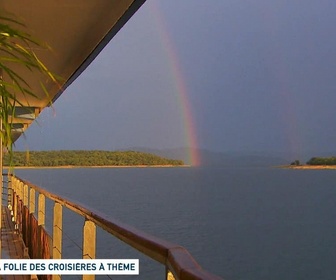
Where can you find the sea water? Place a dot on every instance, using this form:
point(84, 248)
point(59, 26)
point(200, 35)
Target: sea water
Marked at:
point(248, 223)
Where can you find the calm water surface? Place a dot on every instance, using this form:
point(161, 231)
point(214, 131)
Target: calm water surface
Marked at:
point(237, 223)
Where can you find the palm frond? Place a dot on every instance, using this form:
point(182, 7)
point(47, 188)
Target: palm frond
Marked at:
point(16, 48)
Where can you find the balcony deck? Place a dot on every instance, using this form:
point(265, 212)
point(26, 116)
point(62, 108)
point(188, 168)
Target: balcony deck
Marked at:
point(12, 246)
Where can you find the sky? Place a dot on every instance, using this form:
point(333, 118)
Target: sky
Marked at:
point(222, 75)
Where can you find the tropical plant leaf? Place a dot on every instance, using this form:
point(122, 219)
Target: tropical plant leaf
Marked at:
point(16, 48)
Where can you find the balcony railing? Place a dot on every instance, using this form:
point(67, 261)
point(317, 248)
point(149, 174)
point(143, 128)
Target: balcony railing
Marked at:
point(29, 217)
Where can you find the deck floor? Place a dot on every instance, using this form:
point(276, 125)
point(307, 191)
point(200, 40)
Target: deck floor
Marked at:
point(12, 246)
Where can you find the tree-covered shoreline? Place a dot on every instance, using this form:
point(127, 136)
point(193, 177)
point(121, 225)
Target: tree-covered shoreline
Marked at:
point(322, 161)
point(87, 158)
point(315, 163)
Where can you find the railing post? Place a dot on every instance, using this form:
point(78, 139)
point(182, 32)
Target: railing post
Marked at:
point(15, 198)
point(21, 191)
point(25, 195)
point(9, 192)
point(57, 231)
point(41, 210)
point(89, 244)
point(169, 275)
point(57, 235)
point(12, 182)
point(31, 201)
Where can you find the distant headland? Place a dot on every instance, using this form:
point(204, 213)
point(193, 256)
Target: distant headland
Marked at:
point(83, 158)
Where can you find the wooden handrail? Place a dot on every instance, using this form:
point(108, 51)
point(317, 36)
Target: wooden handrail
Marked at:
point(176, 258)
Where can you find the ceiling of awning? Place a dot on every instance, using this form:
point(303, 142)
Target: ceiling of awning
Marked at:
point(75, 30)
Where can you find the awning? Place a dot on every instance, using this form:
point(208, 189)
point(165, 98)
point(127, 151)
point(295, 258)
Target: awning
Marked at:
point(75, 30)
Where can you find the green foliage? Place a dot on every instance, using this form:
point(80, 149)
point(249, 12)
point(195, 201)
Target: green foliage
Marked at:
point(87, 158)
point(295, 162)
point(322, 161)
point(16, 49)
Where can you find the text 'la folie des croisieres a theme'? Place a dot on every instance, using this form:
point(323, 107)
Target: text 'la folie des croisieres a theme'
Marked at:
point(69, 267)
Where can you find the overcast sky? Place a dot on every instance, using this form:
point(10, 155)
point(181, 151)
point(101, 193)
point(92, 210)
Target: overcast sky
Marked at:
point(259, 76)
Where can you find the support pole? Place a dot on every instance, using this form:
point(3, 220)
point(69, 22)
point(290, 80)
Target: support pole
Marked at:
point(1, 167)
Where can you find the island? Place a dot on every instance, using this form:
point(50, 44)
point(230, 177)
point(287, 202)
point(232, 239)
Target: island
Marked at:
point(84, 158)
point(315, 163)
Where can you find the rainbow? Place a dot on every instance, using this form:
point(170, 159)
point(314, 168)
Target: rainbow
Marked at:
point(181, 90)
